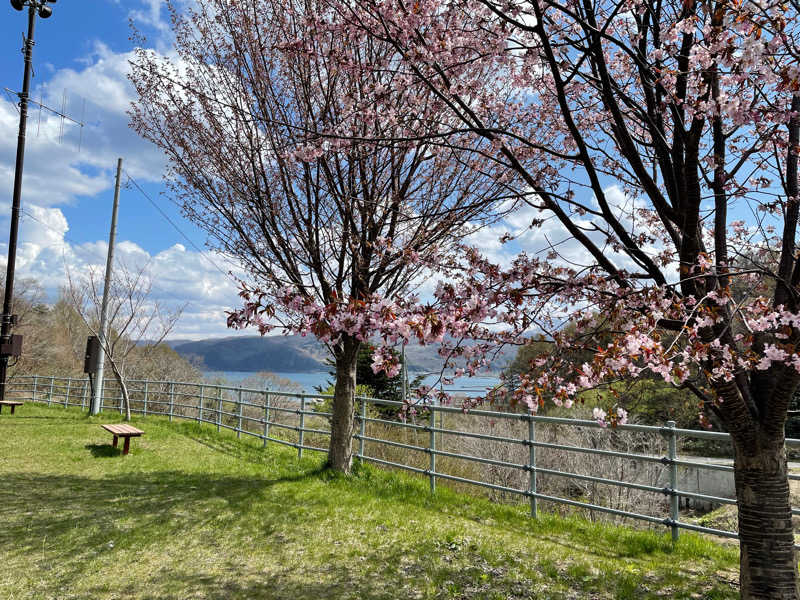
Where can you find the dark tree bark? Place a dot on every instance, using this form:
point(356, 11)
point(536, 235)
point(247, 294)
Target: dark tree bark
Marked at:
point(766, 537)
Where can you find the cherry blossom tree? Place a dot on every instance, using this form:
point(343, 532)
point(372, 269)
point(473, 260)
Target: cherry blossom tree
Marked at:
point(660, 139)
point(327, 208)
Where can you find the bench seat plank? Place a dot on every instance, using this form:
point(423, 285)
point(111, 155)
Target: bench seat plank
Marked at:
point(123, 430)
point(12, 403)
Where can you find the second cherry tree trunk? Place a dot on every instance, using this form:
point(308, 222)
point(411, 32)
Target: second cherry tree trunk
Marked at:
point(768, 569)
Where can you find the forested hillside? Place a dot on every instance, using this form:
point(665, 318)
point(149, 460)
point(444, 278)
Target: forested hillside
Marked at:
point(288, 353)
point(54, 342)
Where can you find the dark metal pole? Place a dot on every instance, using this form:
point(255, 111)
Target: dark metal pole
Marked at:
point(6, 317)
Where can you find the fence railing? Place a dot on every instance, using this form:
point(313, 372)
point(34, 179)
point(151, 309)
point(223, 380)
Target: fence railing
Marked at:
point(630, 471)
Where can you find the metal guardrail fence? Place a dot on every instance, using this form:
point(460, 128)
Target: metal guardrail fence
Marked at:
point(295, 419)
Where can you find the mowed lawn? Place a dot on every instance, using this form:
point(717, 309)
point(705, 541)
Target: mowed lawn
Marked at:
point(192, 513)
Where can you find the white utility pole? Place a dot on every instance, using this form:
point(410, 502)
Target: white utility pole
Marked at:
point(98, 386)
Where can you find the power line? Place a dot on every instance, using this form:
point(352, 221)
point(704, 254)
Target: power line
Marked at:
point(73, 242)
point(76, 244)
point(50, 227)
point(178, 229)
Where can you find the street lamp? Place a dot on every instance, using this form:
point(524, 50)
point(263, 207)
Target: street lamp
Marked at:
point(40, 6)
point(11, 345)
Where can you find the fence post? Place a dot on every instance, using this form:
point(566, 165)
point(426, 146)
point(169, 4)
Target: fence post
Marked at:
point(35, 381)
point(301, 437)
point(532, 465)
point(362, 429)
point(432, 448)
point(239, 402)
point(200, 411)
point(145, 399)
point(219, 408)
point(171, 399)
point(50, 395)
point(672, 449)
point(69, 387)
point(85, 389)
point(266, 418)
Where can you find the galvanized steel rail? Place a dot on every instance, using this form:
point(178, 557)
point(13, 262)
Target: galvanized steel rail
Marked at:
point(226, 407)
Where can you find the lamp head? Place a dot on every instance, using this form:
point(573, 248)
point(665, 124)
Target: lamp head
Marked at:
point(17, 4)
point(45, 11)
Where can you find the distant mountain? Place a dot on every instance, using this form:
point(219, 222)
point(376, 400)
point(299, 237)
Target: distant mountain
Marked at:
point(286, 353)
point(294, 353)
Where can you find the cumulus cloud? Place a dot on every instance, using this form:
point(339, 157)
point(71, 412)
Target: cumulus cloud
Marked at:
point(151, 14)
point(551, 236)
point(194, 280)
point(66, 166)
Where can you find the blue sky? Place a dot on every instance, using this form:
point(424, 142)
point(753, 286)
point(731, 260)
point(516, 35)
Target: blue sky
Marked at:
point(68, 45)
point(81, 55)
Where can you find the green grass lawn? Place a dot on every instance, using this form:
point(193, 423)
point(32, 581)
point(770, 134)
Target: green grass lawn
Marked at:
point(192, 513)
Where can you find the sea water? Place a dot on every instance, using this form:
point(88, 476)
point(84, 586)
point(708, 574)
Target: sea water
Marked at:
point(308, 382)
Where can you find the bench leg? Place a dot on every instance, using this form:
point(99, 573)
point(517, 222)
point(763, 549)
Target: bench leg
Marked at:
point(1, 408)
point(12, 409)
point(115, 442)
point(127, 446)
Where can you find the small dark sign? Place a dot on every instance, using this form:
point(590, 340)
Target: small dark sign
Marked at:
point(92, 354)
point(13, 347)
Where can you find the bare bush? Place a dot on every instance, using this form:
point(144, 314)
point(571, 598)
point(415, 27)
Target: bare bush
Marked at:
point(511, 450)
point(616, 468)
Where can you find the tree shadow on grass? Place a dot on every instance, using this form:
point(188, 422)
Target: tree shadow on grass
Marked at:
point(78, 516)
point(253, 452)
point(579, 534)
point(278, 551)
point(23, 417)
point(103, 450)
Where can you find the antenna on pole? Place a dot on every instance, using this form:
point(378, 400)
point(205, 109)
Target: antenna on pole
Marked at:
point(63, 110)
point(83, 114)
point(11, 345)
point(59, 113)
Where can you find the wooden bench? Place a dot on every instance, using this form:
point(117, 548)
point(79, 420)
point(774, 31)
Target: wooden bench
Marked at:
point(123, 431)
point(12, 403)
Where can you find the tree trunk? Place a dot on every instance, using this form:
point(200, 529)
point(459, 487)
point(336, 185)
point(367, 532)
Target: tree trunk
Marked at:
point(123, 388)
point(768, 569)
point(340, 451)
point(125, 399)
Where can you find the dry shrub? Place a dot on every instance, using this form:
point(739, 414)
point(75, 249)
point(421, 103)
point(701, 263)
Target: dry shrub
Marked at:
point(630, 470)
point(517, 477)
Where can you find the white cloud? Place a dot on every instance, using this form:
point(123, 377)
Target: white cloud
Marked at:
point(179, 277)
point(64, 162)
point(552, 235)
point(65, 166)
point(151, 15)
